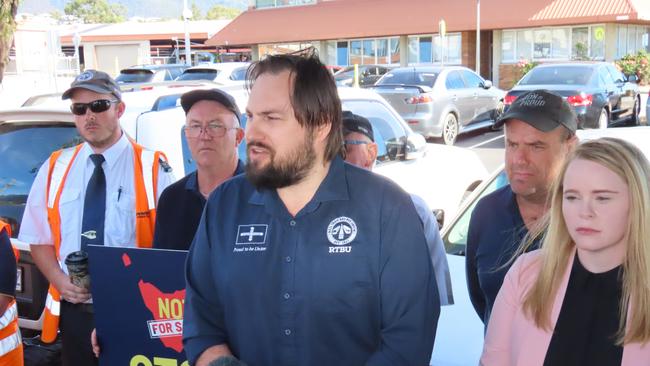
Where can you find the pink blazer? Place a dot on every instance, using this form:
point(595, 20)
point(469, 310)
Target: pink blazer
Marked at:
point(514, 340)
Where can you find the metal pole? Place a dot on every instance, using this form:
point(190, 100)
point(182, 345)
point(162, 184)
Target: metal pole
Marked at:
point(478, 37)
point(186, 15)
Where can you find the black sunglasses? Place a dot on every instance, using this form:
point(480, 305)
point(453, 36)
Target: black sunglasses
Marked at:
point(96, 106)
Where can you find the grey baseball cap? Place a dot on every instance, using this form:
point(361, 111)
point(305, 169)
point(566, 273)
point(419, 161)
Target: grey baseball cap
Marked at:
point(190, 98)
point(541, 109)
point(96, 81)
point(356, 123)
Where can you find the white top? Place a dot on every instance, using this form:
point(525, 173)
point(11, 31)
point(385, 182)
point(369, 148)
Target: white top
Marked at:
point(119, 224)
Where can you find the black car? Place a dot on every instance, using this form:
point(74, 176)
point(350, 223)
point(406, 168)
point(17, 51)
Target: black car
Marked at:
point(150, 73)
point(368, 75)
point(601, 95)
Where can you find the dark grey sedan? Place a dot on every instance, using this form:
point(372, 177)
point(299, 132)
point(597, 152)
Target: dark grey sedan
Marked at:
point(441, 102)
point(599, 93)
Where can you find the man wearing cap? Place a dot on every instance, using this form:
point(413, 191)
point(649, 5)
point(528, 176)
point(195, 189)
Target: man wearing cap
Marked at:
point(101, 192)
point(213, 132)
point(361, 150)
point(539, 132)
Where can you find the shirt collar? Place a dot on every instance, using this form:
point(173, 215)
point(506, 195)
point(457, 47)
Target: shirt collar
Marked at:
point(192, 183)
point(333, 188)
point(112, 154)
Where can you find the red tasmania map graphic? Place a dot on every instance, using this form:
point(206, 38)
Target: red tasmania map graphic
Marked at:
point(167, 314)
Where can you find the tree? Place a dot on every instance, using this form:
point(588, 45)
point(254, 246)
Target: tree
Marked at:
point(222, 12)
point(8, 9)
point(196, 11)
point(96, 11)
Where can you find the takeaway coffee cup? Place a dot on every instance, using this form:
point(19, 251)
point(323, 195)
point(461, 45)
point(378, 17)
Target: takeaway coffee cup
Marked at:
point(77, 263)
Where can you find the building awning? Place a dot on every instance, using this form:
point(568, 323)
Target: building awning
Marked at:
point(345, 19)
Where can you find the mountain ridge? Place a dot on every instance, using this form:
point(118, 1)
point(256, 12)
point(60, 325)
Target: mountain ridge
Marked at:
point(135, 8)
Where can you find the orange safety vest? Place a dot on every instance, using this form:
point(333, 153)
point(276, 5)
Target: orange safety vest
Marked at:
point(11, 345)
point(146, 167)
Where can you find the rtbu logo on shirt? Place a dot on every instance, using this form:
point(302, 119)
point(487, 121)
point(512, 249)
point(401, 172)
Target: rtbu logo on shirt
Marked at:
point(340, 232)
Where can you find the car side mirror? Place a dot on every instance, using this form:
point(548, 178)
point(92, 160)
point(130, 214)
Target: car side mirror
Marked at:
point(439, 214)
point(632, 78)
point(414, 146)
point(487, 84)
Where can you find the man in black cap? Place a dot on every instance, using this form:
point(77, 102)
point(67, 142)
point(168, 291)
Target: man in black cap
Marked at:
point(361, 150)
point(99, 192)
point(539, 132)
point(213, 132)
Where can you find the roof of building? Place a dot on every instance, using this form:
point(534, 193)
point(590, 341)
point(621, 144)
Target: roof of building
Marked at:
point(145, 30)
point(344, 19)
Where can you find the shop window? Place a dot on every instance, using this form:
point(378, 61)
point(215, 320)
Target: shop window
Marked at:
point(413, 50)
point(542, 45)
point(508, 43)
point(369, 52)
point(524, 45)
point(394, 51)
point(355, 52)
point(580, 43)
point(597, 46)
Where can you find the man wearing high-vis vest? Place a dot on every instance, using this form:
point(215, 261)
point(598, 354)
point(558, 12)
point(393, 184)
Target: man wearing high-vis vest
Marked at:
point(101, 192)
point(11, 346)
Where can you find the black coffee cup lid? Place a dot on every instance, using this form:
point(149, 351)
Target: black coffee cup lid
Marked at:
point(76, 257)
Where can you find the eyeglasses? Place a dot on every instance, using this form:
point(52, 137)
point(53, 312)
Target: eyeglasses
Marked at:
point(96, 106)
point(212, 129)
point(355, 142)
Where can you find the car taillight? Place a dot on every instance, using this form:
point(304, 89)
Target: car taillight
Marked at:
point(147, 88)
point(509, 99)
point(419, 99)
point(581, 99)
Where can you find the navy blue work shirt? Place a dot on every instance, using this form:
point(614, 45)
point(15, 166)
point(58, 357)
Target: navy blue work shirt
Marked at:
point(7, 266)
point(347, 281)
point(179, 212)
point(496, 229)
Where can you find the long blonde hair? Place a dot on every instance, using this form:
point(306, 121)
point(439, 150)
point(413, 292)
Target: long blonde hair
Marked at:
point(629, 163)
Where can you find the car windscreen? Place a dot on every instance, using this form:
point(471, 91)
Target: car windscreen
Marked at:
point(23, 149)
point(409, 77)
point(134, 76)
point(199, 74)
point(558, 75)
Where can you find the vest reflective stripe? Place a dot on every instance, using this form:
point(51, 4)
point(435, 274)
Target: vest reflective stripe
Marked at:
point(9, 333)
point(52, 305)
point(59, 171)
point(9, 316)
point(145, 215)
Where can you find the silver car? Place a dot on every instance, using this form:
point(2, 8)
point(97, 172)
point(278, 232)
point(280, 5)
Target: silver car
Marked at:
point(441, 101)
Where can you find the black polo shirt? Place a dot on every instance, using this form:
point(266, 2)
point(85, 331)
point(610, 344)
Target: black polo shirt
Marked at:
point(496, 229)
point(179, 211)
point(7, 266)
point(347, 281)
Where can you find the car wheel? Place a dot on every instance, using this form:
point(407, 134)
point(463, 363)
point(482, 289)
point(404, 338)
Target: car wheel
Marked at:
point(496, 114)
point(450, 129)
point(603, 119)
point(634, 119)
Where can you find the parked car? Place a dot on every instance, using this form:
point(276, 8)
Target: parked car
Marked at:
point(27, 137)
point(468, 340)
point(404, 156)
point(150, 73)
point(368, 75)
point(226, 73)
point(441, 102)
point(600, 94)
point(647, 111)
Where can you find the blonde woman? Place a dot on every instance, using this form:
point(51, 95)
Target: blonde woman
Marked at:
point(584, 298)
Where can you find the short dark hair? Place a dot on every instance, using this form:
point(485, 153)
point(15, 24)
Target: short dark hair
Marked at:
point(314, 96)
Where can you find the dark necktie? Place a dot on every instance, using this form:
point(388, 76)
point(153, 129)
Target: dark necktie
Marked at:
point(92, 228)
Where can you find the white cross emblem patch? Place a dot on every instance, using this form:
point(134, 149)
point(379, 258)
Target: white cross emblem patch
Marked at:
point(254, 234)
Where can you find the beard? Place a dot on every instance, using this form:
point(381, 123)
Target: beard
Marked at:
point(280, 173)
